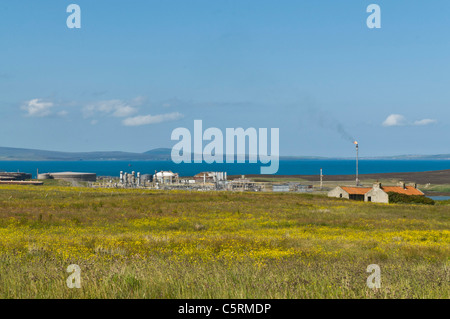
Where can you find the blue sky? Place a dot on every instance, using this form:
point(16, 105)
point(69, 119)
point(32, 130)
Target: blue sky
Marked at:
point(136, 70)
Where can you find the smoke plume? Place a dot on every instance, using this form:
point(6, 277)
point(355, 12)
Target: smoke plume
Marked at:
point(327, 121)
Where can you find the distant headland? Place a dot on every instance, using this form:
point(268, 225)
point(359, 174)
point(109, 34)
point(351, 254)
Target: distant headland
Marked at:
point(158, 154)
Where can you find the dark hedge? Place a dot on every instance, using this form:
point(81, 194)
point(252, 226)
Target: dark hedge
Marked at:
point(415, 199)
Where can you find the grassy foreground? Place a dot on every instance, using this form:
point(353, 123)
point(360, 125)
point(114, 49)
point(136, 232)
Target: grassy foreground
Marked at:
point(157, 244)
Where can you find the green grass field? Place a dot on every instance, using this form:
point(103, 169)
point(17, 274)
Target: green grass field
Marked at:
point(438, 188)
point(161, 244)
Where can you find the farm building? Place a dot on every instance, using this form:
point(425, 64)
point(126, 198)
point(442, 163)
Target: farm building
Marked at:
point(376, 194)
point(355, 193)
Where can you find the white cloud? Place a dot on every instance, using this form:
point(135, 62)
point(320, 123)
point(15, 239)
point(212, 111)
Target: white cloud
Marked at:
point(139, 100)
point(151, 119)
point(124, 111)
point(37, 108)
point(116, 108)
point(425, 122)
point(395, 120)
point(400, 120)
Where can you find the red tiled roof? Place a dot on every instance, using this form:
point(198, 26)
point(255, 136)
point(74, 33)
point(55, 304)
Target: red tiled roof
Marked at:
point(400, 190)
point(356, 190)
point(409, 190)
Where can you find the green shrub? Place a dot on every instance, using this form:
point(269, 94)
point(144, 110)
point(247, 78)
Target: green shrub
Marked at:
point(413, 199)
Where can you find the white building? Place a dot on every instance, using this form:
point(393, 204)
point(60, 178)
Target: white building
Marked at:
point(376, 194)
point(165, 177)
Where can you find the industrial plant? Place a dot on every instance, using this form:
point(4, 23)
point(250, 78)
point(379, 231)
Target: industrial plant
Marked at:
point(168, 180)
point(210, 180)
point(8, 176)
point(69, 176)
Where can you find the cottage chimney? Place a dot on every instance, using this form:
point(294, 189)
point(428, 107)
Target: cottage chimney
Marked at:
point(377, 185)
point(402, 185)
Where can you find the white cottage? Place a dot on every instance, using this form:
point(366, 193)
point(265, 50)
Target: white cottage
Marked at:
point(376, 194)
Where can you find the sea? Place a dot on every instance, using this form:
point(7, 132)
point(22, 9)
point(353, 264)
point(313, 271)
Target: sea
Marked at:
point(439, 197)
point(286, 167)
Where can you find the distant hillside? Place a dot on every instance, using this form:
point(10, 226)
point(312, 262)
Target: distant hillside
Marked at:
point(414, 157)
point(158, 154)
point(440, 156)
point(21, 154)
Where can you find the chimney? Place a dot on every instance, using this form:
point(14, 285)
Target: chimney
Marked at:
point(402, 185)
point(377, 185)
